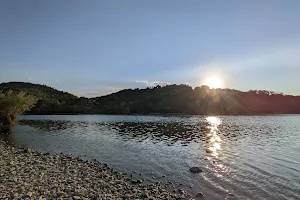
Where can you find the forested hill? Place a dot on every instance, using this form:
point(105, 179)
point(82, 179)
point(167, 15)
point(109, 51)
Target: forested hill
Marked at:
point(171, 99)
point(50, 99)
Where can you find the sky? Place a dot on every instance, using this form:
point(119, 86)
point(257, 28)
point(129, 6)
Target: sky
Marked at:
point(92, 48)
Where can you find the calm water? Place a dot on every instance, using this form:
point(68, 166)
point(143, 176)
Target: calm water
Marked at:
point(242, 157)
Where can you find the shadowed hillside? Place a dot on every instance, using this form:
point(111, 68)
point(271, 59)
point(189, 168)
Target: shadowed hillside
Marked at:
point(171, 99)
point(49, 99)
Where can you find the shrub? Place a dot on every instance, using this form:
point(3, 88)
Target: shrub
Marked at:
point(13, 104)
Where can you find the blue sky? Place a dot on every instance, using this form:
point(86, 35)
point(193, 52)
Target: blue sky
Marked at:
point(92, 48)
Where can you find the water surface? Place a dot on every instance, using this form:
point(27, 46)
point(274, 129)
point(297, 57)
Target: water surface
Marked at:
point(242, 157)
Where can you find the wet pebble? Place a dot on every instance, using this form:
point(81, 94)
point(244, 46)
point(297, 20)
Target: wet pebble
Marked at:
point(195, 170)
point(199, 194)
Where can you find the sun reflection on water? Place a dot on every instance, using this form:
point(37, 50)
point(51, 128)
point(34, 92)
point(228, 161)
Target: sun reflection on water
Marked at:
point(214, 141)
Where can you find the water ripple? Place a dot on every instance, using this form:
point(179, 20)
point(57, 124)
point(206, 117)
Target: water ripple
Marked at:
point(242, 157)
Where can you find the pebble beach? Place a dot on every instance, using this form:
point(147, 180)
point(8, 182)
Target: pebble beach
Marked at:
point(28, 174)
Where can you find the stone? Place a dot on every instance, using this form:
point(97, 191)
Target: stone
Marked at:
point(134, 190)
point(29, 194)
point(209, 151)
point(76, 197)
point(230, 194)
point(16, 195)
point(60, 193)
point(144, 195)
point(199, 194)
point(181, 191)
point(134, 181)
point(139, 181)
point(195, 170)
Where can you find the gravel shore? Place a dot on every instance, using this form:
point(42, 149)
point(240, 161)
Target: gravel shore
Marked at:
point(27, 174)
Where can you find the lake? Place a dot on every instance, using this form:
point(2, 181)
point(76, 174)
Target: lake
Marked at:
point(242, 157)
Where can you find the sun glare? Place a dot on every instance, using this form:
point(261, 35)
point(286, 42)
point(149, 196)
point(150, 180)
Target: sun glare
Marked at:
point(213, 82)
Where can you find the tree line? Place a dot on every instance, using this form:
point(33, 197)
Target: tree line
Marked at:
point(170, 99)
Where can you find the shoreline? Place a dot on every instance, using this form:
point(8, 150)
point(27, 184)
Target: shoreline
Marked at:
point(165, 114)
point(28, 174)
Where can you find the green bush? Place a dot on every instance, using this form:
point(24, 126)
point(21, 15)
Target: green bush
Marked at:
point(13, 104)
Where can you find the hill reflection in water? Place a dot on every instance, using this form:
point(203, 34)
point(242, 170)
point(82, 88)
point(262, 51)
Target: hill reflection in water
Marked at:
point(168, 132)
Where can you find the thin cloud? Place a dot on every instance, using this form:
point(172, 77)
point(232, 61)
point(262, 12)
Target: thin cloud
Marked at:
point(90, 94)
point(114, 90)
point(154, 83)
point(188, 84)
point(98, 93)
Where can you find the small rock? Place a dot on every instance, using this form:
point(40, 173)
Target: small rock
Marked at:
point(134, 190)
point(16, 195)
point(60, 193)
point(230, 194)
point(136, 181)
point(76, 197)
point(209, 151)
point(199, 194)
point(144, 195)
point(139, 181)
point(195, 170)
point(29, 194)
point(181, 191)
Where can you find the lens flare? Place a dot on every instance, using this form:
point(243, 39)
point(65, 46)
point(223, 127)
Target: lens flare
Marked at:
point(213, 82)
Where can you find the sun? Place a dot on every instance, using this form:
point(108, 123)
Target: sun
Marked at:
point(213, 82)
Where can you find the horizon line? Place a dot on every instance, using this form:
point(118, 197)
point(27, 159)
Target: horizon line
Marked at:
point(153, 87)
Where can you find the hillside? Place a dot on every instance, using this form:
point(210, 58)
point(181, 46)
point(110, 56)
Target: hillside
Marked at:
point(50, 99)
point(201, 100)
point(171, 99)
point(40, 91)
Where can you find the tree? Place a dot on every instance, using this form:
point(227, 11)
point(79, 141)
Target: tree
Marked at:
point(13, 104)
